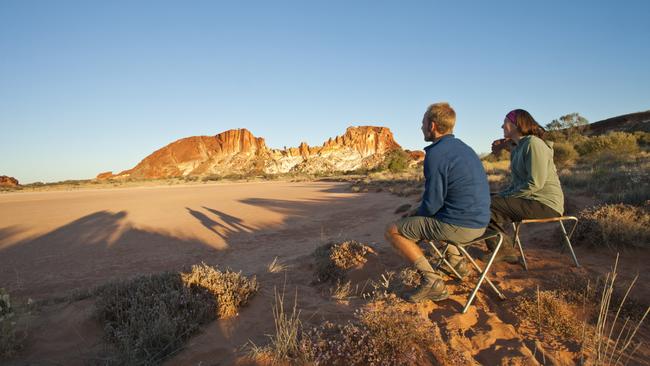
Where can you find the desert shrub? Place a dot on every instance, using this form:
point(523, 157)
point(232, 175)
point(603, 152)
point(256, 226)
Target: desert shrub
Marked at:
point(382, 335)
point(613, 143)
point(10, 342)
point(150, 317)
point(614, 226)
point(612, 181)
point(642, 138)
point(231, 289)
point(397, 161)
point(333, 259)
point(550, 313)
point(564, 154)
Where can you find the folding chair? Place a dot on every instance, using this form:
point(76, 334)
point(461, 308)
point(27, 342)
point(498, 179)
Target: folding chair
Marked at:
point(482, 272)
point(517, 228)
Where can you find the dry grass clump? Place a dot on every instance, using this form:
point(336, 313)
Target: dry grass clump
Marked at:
point(380, 335)
point(614, 226)
point(277, 266)
point(10, 341)
point(550, 313)
point(284, 346)
point(333, 259)
point(150, 317)
point(409, 277)
point(231, 289)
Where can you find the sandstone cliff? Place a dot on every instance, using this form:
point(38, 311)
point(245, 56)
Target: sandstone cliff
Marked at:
point(6, 181)
point(239, 152)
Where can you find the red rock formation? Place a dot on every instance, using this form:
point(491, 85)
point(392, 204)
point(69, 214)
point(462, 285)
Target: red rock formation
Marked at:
point(6, 181)
point(193, 155)
point(104, 176)
point(367, 140)
point(416, 155)
point(238, 151)
point(499, 145)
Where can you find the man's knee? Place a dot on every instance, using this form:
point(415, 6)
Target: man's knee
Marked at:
point(391, 231)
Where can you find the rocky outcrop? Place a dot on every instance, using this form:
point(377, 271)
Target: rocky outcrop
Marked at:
point(8, 182)
point(104, 175)
point(498, 146)
point(239, 152)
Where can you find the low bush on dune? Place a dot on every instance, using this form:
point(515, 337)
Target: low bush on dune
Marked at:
point(613, 143)
point(230, 289)
point(614, 226)
point(376, 336)
point(612, 181)
point(10, 341)
point(550, 313)
point(333, 259)
point(149, 318)
point(564, 154)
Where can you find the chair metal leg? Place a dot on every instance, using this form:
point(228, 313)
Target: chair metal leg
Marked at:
point(444, 260)
point(568, 242)
point(483, 273)
point(516, 228)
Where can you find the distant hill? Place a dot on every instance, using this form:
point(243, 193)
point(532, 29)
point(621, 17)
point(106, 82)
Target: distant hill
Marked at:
point(237, 151)
point(632, 122)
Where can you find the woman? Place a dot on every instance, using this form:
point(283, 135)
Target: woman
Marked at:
point(534, 191)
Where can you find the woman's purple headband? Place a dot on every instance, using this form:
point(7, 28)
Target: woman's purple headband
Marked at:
point(512, 116)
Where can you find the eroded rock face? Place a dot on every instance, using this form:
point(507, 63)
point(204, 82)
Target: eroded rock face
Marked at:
point(7, 181)
point(239, 152)
point(104, 176)
point(500, 145)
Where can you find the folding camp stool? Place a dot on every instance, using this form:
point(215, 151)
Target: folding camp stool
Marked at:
point(482, 272)
point(517, 227)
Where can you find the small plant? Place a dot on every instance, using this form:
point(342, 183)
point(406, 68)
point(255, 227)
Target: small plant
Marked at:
point(550, 314)
point(333, 259)
point(378, 335)
point(341, 291)
point(614, 226)
point(231, 289)
point(284, 346)
point(277, 266)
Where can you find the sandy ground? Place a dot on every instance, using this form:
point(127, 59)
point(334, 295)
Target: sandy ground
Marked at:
point(54, 242)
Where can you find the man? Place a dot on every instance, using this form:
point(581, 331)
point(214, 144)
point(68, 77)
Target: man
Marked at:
point(455, 204)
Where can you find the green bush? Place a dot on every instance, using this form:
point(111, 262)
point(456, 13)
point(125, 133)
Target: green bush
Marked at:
point(397, 161)
point(564, 154)
point(613, 143)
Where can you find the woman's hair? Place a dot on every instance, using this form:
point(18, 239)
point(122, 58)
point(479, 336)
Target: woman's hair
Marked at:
point(525, 123)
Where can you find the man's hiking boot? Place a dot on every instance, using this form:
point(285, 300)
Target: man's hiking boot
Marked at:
point(461, 268)
point(506, 254)
point(434, 291)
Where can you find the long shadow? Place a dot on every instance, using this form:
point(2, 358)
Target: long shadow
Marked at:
point(90, 251)
point(235, 222)
point(207, 222)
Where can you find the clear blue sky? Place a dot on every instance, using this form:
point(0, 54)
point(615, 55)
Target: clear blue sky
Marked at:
point(90, 86)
